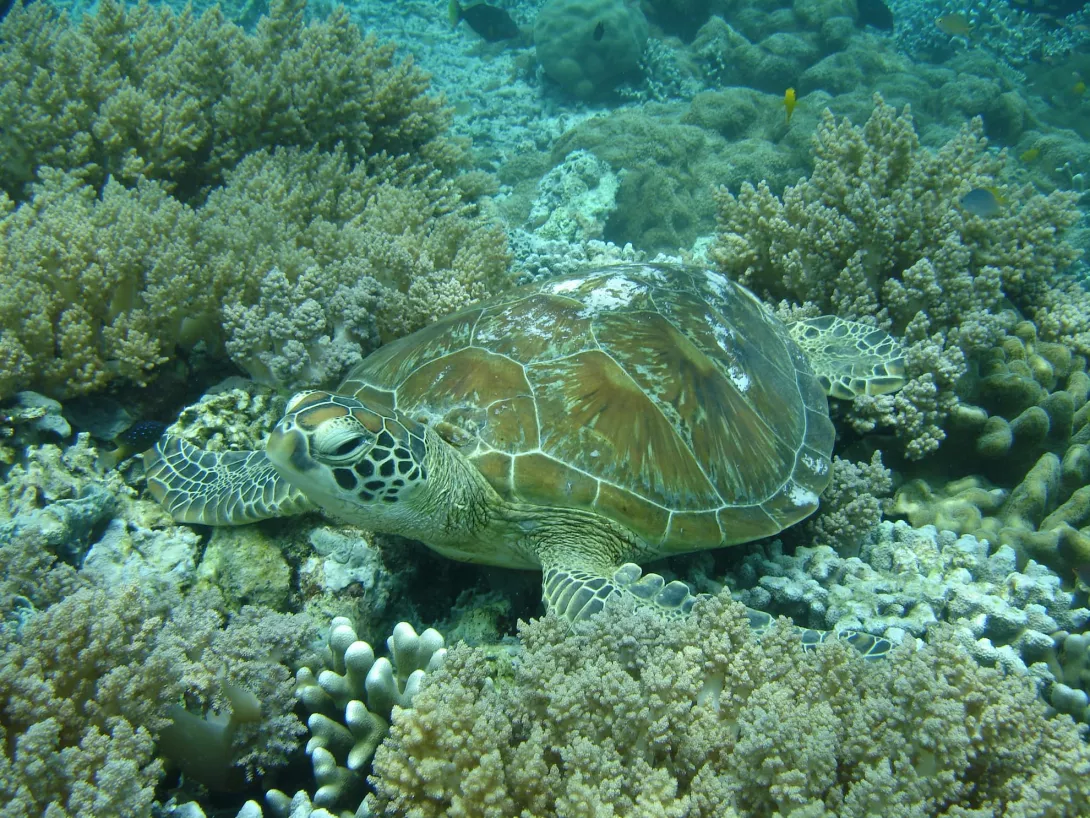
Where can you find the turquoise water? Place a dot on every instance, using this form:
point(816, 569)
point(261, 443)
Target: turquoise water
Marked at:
point(335, 333)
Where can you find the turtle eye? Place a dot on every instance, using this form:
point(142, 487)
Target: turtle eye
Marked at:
point(346, 448)
point(341, 447)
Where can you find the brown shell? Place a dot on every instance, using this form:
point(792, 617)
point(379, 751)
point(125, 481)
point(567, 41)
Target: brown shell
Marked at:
point(667, 398)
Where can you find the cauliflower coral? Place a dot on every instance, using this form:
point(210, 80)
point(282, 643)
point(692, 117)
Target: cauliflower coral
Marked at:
point(167, 179)
point(630, 714)
point(878, 234)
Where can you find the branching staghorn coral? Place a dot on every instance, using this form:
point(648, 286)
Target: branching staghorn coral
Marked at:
point(877, 233)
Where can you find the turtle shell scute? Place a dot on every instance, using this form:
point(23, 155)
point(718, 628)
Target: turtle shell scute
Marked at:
point(666, 398)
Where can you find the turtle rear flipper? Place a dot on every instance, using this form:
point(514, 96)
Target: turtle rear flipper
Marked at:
point(872, 647)
point(851, 359)
point(576, 594)
point(218, 488)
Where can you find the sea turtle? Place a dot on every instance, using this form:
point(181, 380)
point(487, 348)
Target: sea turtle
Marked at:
point(576, 425)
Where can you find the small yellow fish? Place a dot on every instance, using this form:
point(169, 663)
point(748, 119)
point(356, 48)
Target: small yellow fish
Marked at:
point(1030, 154)
point(954, 25)
point(789, 103)
point(1079, 88)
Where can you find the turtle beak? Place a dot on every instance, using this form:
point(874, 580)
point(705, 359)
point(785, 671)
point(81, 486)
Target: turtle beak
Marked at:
point(288, 451)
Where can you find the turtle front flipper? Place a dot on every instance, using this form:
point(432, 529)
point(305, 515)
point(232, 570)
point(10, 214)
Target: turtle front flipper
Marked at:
point(218, 488)
point(576, 593)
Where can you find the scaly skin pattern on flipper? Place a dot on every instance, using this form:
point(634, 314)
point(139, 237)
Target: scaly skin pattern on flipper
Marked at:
point(578, 425)
point(218, 488)
point(850, 359)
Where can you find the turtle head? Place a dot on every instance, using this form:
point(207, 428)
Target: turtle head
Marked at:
point(358, 462)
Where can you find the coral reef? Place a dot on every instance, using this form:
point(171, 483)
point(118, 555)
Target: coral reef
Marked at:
point(588, 46)
point(23, 419)
point(57, 512)
point(33, 578)
point(305, 332)
point(92, 689)
point(574, 199)
point(877, 233)
point(361, 249)
point(122, 247)
point(665, 157)
point(146, 93)
point(1018, 36)
point(281, 806)
point(233, 415)
point(247, 565)
point(906, 579)
point(47, 474)
point(541, 258)
point(94, 289)
point(175, 189)
point(352, 704)
point(768, 48)
point(1029, 420)
point(1068, 667)
point(1006, 612)
point(71, 706)
point(629, 714)
point(120, 671)
point(852, 503)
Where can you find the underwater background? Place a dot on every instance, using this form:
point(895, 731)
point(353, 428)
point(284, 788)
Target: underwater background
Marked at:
point(205, 209)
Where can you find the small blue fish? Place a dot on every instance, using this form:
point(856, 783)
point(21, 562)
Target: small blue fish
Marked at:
point(984, 202)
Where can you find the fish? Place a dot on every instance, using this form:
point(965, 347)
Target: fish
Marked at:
point(599, 31)
point(954, 25)
point(491, 22)
point(1079, 88)
point(984, 202)
point(1030, 154)
point(874, 13)
point(789, 103)
point(138, 438)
